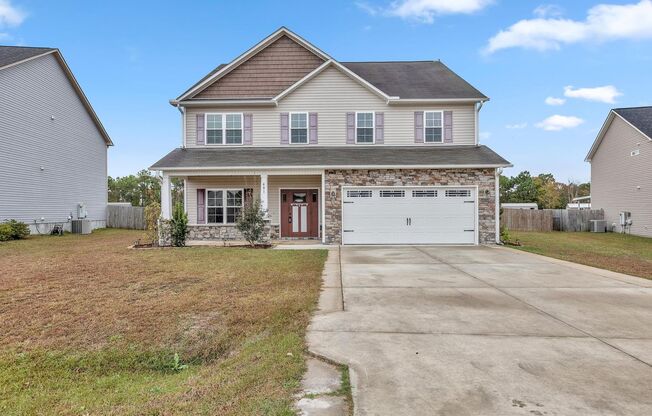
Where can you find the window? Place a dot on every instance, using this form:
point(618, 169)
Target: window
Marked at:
point(223, 128)
point(425, 193)
point(364, 127)
point(433, 127)
point(358, 194)
point(392, 194)
point(214, 133)
point(220, 200)
point(215, 206)
point(458, 193)
point(298, 128)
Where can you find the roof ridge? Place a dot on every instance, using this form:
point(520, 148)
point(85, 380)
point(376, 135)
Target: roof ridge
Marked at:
point(27, 47)
point(632, 108)
point(388, 62)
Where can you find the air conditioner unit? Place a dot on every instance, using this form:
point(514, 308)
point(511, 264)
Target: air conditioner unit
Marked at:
point(81, 227)
point(598, 226)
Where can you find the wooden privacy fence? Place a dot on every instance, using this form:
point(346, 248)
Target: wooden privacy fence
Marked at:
point(526, 220)
point(119, 215)
point(550, 219)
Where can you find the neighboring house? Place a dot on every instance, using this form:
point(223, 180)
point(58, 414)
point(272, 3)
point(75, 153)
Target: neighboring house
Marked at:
point(621, 168)
point(53, 148)
point(347, 152)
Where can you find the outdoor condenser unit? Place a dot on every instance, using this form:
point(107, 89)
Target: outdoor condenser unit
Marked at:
point(598, 226)
point(81, 226)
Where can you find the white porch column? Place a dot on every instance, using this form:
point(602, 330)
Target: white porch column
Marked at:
point(165, 197)
point(264, 205)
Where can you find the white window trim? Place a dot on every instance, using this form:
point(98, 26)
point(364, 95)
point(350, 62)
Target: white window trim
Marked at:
point(307, 128)
point(224, 143)
point(441, 112)
point(224, 206)
point(373, 127)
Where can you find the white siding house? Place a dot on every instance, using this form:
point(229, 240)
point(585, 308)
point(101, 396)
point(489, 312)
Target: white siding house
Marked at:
point(53, 148)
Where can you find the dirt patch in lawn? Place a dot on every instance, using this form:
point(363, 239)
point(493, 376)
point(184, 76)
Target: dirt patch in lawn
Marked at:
point(621, 253)
point(90, 326)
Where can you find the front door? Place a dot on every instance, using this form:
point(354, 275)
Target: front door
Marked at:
point(299, 213)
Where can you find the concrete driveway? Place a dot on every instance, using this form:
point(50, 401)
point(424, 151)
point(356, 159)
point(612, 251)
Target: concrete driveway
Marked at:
point(485, 331)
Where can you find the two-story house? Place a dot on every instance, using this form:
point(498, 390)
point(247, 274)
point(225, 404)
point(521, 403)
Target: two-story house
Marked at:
point(347, 152)
point(621, 169)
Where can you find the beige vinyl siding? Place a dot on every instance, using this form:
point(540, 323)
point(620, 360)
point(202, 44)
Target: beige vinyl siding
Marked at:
point(275, 184)
point(615, 176)
point(332, 94)
point(216, 182)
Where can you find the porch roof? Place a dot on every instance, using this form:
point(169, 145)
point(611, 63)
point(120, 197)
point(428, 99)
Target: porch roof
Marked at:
point(331, 157)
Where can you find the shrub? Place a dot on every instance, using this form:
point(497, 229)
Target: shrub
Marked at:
point(19, 230)
point(5, 231)
point(251, 223)
point(504, 234)
point(179, 226)
point(152, 214)
point(13, 230)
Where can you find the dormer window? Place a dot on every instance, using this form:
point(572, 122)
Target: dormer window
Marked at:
point(224, 128)
point(364, 127)
point(298, 128)
point(434, 126)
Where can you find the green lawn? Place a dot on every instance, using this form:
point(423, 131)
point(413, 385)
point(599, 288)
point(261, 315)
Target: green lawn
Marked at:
point(91, 327)
point(622, 253)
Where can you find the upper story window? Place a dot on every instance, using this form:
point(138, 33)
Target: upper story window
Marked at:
point(434, 126)
point(298, 128)
point(224, 128)
point(364, 127)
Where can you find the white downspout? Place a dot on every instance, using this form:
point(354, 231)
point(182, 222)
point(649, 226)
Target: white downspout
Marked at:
point(497, 191)
point(478, 107)
point(182, 110)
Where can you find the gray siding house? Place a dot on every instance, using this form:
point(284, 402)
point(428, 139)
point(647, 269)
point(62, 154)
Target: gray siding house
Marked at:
point(621, 168)
point(53, 147)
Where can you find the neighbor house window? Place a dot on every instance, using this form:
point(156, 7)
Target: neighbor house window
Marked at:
point(223, 206)
point(298, 128)
point(364, 127)
point(223, 128)
point(434, 126)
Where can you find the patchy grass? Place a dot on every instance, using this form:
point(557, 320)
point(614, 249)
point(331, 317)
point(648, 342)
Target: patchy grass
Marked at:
point(91, 327)
point(621, 253)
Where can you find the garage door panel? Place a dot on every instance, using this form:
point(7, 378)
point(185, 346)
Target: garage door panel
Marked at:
point(432, 215)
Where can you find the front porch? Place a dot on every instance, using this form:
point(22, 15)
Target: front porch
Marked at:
point(292, 200)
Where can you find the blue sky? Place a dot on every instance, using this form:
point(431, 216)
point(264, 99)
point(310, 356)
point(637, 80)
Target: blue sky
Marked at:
point(588, 56)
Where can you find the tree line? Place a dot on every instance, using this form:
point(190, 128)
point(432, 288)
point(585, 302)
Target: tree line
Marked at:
point(543, 189)
point(142, 188)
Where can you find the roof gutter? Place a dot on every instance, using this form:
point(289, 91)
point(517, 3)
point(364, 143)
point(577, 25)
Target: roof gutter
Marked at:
point(407, 101)
point(224, 103)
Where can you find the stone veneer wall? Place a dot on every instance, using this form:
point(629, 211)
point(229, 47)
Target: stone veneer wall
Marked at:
point(484, 178)
point(224, 232)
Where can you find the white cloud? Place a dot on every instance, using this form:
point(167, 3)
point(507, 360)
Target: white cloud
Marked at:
point(606, 94)
point(555, 101)
point(425, 10)
point(516, 126)
point(548, 10)
point(557, 122)
point(10, 16)
point(603, 22)
point(484, 135)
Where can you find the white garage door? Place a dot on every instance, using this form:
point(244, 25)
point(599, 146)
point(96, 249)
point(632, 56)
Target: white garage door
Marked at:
point(437, 215)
